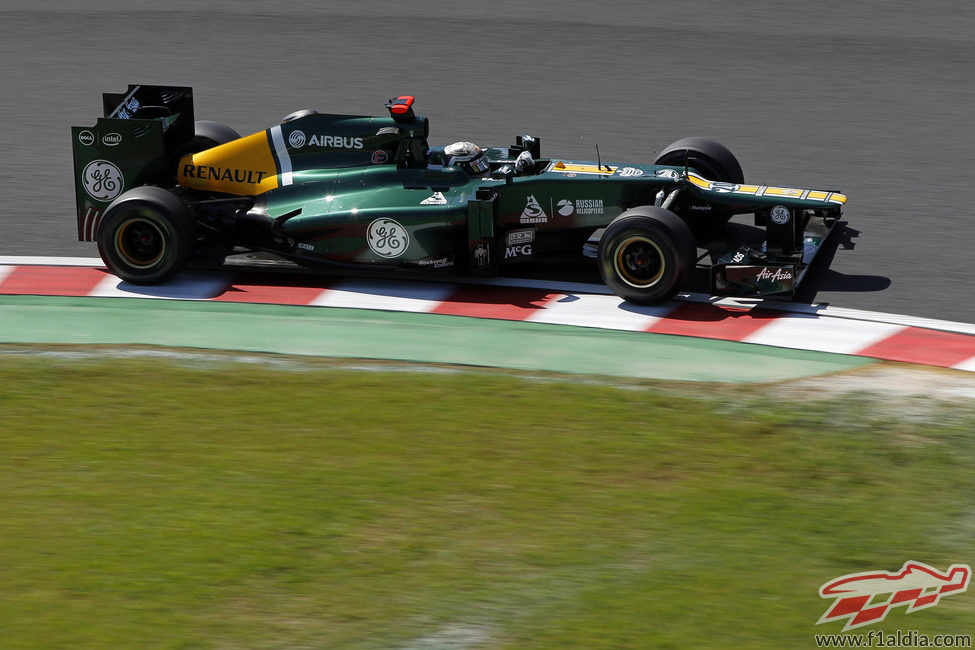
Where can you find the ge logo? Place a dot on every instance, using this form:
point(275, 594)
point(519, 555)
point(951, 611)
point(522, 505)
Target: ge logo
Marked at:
point(103, 180)
point(296, 139)
point(780, 215)
point(387, 238)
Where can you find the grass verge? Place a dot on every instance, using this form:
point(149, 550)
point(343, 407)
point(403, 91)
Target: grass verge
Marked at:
point(155, 504)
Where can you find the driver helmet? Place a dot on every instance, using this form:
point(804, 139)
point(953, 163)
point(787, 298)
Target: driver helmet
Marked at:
point(467, 155)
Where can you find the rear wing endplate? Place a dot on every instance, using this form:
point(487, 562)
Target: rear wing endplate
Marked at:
point(131, 145)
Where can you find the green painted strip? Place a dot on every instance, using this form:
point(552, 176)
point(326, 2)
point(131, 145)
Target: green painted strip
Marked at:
point(370, 334)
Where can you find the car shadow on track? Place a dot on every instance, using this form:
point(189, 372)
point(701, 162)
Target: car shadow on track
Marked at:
point(263, 269)
point(821, 277)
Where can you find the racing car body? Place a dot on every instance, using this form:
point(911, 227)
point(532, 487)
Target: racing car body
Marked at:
point(156, 189)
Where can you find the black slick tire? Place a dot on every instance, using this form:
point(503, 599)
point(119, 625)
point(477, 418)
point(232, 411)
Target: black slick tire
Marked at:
point(146, 235)
point(210, 134)
point(711, 159)
point(646, 254)
point(207, 135)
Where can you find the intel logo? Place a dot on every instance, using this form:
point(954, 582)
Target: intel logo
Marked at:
point(111, 139)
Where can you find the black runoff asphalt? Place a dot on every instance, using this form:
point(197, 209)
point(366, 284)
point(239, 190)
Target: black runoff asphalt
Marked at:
point(870, 99)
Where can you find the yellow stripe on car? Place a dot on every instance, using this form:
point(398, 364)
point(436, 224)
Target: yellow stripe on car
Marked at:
point(578, 168)
point(244, 167)
point(762, 190)
point(791, 192)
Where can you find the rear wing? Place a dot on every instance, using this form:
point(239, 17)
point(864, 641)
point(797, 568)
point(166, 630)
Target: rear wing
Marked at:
point(131, 145)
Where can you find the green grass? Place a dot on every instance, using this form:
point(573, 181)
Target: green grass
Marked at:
point(148, 504)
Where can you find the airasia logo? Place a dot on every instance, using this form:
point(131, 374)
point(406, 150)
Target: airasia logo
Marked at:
point(780, 274)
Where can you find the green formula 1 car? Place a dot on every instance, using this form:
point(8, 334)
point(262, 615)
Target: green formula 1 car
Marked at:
point(155, 190)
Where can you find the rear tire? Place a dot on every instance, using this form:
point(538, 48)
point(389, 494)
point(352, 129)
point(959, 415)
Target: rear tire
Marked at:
point(209, 134)
point(146, 235)
point(646, 254)
point(206, 136)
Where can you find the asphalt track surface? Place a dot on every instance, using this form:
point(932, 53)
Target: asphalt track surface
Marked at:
point(870, 98)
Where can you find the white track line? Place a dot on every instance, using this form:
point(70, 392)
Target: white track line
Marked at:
point(15, 260)
point(389, 296)
point(607, 312)
point(808, 332)
point(968, 364)
point(602, 290)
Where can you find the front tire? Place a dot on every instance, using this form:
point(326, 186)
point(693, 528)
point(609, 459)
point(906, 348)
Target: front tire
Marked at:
point(646, 254)
point(146, 235)
point(711, 159)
